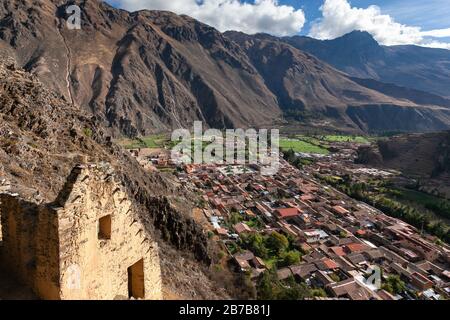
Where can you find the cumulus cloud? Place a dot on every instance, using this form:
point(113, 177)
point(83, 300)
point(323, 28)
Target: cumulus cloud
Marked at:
point(260, 16)
point(339, 18)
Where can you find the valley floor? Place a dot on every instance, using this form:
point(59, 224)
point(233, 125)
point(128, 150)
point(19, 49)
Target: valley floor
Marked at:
point(294, 236)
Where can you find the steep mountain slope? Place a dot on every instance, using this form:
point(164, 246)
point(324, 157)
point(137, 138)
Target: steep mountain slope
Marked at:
point(42, 137)
point(304, 84)
point(423, 155)
point(138, 71)
point(151, 71)
point(359, 55)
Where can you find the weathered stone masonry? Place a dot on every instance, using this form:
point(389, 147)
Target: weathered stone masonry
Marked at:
point(88, 244)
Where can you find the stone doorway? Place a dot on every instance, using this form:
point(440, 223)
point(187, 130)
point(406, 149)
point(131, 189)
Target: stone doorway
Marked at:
point(136, 286)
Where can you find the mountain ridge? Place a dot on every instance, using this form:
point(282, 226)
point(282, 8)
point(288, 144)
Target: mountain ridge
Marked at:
point(360, 55)
point(151, 71)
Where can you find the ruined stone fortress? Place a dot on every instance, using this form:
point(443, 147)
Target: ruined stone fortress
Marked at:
point(88, 244)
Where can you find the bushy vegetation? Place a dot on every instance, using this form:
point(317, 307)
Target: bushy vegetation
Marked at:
point(289, 258)
point(396, 209)
point(343, 138)
point(235, 218)
point(298, 162)
point(439, 206)
point(256, 223)
point(88, 132)
point(394, 285)
point(269, 287)
point(276, 249)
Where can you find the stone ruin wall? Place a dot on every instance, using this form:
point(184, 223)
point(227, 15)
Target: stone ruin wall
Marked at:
point(103, 264)
point(30, 245)
point(56, 250)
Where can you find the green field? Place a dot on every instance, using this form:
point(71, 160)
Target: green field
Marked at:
point(157, 141)
point(312, 140)
point(301, 143)
point(301, 146)
point(153, 142)
point(339, 138)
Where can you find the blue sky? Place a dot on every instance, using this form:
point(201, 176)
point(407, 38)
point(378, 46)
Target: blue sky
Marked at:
point(428, 14)
point(391, 22)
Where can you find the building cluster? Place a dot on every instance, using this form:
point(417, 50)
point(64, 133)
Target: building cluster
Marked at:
point(349, 249)
point(152, 159)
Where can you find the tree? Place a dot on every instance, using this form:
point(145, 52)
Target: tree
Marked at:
point(289, 289)
point(256, 244)
point(265, 286)
point(335, 277)
point(290, 258)
point(277, 242)
point(394, 285)
point(271, 288)
point(236, 218)
point(319, 293)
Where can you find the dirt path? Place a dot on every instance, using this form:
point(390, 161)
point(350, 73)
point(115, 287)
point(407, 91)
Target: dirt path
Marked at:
point(69, 60)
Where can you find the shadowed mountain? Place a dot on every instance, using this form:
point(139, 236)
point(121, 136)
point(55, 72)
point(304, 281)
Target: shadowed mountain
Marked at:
point(306, 85)
point(425, 154)
point(359, 55)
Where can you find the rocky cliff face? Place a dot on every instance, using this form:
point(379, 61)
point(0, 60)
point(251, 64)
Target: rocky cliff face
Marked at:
point(423, 155)
point(138, 72)
point(151, 71)
point(307, 86)
point(43, 137)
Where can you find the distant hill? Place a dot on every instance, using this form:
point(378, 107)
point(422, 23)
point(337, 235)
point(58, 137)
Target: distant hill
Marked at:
point(359, 55)
point(426, 155)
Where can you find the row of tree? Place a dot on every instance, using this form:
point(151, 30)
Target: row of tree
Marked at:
point(361, 192)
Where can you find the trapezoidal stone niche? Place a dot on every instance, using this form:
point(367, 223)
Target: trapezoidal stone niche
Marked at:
point(89, 244)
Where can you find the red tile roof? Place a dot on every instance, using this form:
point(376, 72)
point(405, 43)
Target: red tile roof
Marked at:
point(361, 232)
point(355, 247)
point(339, 251)
point(241, 228)
point(287, 212)
point(330, 264)
point(340, 210)
point(307, 197)
point(222, 231)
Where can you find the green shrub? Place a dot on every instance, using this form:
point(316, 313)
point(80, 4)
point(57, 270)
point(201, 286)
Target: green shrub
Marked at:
point(88, 132)
point(290, 258)
point(394, 285)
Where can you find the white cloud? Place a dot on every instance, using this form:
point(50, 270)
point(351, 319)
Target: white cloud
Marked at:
point(339, 18)
point(436, 44)
point(439, 33)
point(261, 16)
